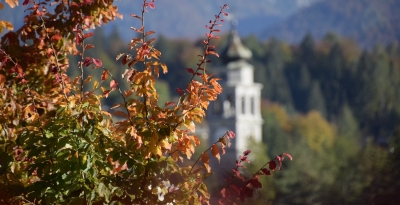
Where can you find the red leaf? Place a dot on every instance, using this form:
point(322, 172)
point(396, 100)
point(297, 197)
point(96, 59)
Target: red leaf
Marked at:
point(25, 2)
point(247, 152)
point(98, 63)
point(88, 61)
point(224, 193)
point(170, 104)
point(256, 184)
point(106, 92)
point(180, 91)
point(266, 171)
point(279, 159)
point(238, 164)
point(272, 165)
point(87, 35)
point(86, 2)
point(79, 39)
point(150, 4)
point(248, 192)
point(113, 84)
point(236, 188)
point(231, 134)
point(288, 155)
point(125, 59)
point(237, 174)
point(209, 35)
point(190, 70)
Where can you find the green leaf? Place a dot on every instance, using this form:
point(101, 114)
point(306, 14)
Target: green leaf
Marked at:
point(104, 191)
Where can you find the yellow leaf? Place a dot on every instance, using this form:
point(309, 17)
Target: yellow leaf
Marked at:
point(87, 79)
point(164, 68)
point(7, 25)
point(95, 85)
point(156, 150)
point(12, 3)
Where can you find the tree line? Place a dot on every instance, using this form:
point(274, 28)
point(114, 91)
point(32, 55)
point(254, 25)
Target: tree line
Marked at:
point(332, 103)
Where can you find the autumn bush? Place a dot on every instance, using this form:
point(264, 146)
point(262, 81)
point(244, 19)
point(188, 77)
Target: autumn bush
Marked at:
point(57, 144)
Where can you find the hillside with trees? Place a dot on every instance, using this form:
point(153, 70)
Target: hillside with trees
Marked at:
point(330, 102)
point(369, 22)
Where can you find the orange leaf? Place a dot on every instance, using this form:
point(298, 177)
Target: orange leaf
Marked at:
point(89, 46)
point(119, 56)
point(120, 113)
point(2, 80)
point(149, 33)
point(104, 75)
point(206, 160)
point(215, 152)
point(128, 93)
point(56, 37)
point(157, 71)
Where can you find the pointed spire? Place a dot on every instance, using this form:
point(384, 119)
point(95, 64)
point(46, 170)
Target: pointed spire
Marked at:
point(234, 49)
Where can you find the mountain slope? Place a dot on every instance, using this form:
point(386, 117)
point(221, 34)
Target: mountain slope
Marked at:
point(368, 21)
point(187, 18)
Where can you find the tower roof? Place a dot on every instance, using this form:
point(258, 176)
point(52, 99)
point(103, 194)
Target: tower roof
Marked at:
point(234, 49)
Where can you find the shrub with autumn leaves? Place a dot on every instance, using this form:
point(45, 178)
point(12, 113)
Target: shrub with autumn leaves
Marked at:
point(57, 145)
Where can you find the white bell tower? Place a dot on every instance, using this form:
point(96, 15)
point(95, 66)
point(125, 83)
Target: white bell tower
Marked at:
point(237, 108)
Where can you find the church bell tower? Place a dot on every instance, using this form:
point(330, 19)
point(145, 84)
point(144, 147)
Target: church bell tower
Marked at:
point(237, 108)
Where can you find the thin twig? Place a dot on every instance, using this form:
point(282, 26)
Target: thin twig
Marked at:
point(122, 95)
point(219, 140)
point(56, 57)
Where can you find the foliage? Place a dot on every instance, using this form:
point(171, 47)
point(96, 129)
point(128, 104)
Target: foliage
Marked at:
point(334, 169)
point(57, 144)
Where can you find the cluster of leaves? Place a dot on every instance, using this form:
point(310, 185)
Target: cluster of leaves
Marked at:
point(233, 192)
point(58, 146)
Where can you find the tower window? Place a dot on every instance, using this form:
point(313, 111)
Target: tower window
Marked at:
point(243, 105)
point(252, 105)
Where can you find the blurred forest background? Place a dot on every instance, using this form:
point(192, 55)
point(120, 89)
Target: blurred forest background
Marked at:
point(331, 104)
point(331, 96)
